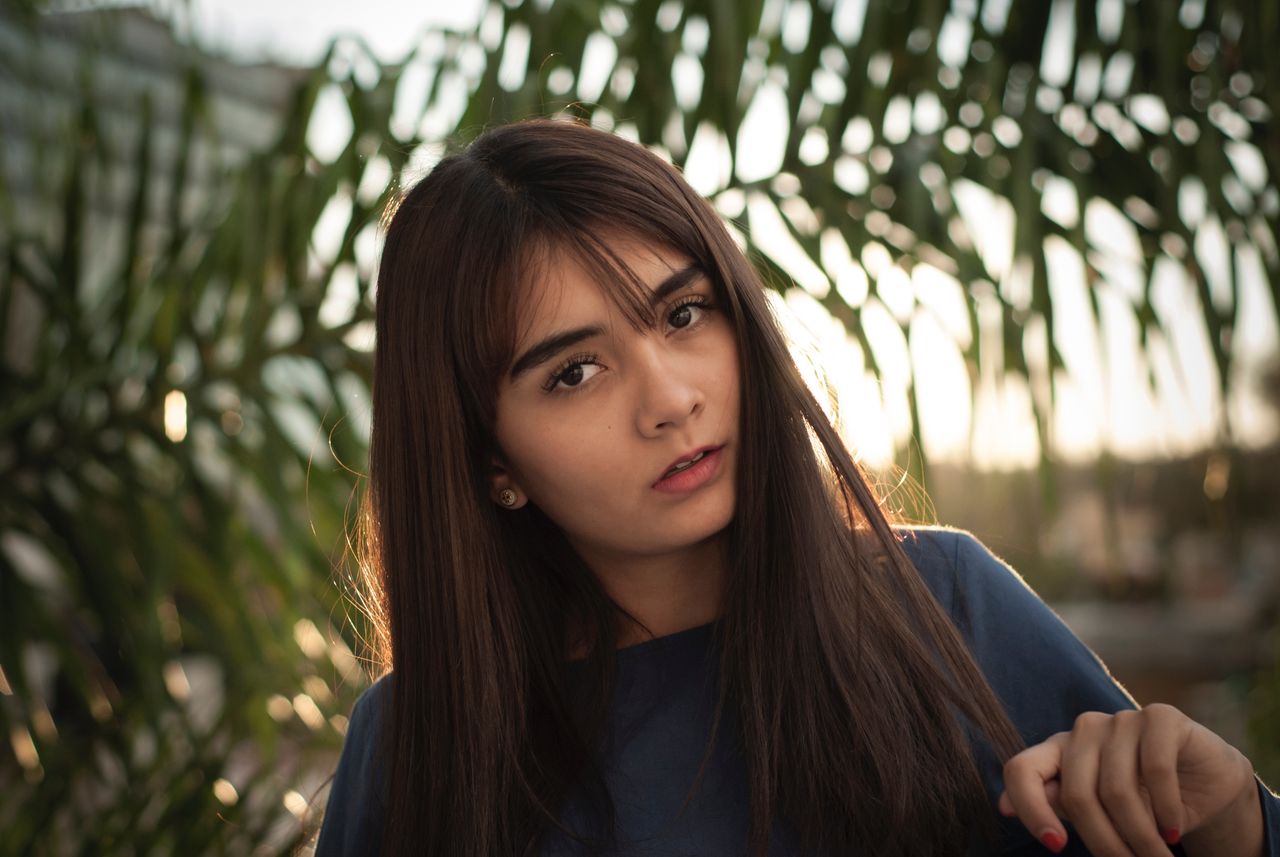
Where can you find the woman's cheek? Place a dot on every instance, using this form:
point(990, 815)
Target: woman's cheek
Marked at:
point(573, 470)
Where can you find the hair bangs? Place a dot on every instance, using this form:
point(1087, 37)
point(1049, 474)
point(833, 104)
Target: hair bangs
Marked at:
point(516, 296)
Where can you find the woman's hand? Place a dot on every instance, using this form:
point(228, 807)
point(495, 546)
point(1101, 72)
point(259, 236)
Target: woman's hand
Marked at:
point(1133, 781)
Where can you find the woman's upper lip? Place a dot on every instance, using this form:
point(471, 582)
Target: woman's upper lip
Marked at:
point(688, 455)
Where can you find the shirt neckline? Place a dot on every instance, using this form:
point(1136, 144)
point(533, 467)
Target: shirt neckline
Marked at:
point(665, 643)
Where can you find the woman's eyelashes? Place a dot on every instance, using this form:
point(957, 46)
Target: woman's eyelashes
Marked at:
point(681, 310)
point(571, 374)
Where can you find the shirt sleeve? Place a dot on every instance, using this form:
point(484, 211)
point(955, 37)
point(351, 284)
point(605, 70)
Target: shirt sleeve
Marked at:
point(352, 823)
point(1042, 673)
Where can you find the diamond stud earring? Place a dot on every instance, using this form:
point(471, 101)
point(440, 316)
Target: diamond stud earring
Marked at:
point(507, 498)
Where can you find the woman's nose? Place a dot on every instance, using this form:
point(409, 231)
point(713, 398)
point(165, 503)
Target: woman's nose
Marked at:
point(668, 392)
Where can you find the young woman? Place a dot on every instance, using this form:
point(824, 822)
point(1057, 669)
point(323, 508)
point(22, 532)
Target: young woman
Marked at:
point(639, 599)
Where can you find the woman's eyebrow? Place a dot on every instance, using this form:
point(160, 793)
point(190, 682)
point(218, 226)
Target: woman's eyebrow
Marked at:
point(557, 342)
point(673, 284)
point(550, 347)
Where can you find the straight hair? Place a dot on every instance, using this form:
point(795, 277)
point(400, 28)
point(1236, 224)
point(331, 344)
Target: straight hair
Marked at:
point(855, 695)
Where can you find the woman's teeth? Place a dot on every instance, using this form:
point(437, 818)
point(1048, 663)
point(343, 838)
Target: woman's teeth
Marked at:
point(684, 465)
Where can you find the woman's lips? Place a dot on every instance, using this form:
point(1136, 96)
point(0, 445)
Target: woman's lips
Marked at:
point(691, 477)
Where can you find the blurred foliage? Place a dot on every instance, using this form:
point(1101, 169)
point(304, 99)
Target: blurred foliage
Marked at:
point(171, 495)
point(886, 121)
point(186, 335)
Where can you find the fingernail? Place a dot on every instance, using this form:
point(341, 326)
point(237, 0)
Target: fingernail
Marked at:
point(1053, 840)
point(1172, 835)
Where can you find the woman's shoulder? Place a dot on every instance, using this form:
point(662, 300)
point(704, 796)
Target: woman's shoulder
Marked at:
point(373, 700)
point(353, 814)
point(365, 724)
point(1034, 661)
point(932, 545)
point(955, 565)
point(982, 593)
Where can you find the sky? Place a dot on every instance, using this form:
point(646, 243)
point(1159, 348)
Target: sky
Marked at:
point(1099, 404)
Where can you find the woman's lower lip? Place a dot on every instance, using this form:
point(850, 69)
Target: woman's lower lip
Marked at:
point(691, 477)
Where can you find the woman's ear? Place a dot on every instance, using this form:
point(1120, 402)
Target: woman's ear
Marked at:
point(503, 487)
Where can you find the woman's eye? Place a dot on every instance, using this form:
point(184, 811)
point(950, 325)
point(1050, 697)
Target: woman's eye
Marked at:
point(686, 314)
point(573, 374)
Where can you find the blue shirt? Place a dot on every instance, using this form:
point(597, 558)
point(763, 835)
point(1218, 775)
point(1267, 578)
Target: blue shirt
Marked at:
point(660, 721)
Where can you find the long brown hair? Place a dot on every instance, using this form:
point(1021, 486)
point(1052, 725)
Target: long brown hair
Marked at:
point(852, 688)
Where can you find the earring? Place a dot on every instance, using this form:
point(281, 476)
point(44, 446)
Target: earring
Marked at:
point(507, 498)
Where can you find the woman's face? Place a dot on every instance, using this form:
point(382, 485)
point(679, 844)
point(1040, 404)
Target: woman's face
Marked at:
point(593, 413)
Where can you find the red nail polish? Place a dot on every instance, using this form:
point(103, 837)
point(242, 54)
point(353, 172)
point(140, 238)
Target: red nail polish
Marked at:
point(1053, 840)
point(1172, 835)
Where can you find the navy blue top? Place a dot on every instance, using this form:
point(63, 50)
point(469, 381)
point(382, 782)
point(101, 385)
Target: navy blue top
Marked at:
point(660, 722)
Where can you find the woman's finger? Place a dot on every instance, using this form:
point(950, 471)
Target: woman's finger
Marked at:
point(1158, 761)
point(1120, 786)
point(1025, 779)
point(1051, 789)
point(1080, 781)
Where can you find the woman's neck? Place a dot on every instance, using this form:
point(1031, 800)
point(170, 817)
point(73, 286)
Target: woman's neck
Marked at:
point(665, 593)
